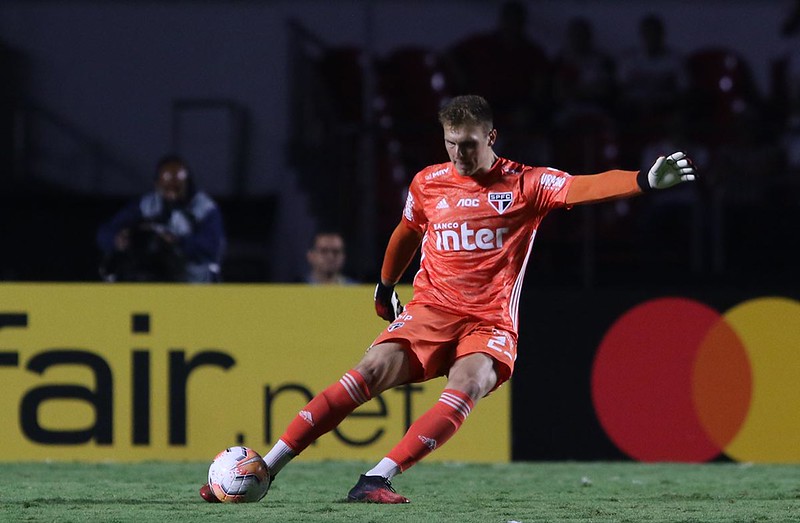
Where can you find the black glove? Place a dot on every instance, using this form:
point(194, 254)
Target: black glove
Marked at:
point(387, 302)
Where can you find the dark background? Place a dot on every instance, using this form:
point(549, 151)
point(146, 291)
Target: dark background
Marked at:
point(276, 106)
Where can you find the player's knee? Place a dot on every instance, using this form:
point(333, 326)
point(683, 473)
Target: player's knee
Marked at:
point(381, 370)
point(473, 375)
point(371, 372)
point(475, 386)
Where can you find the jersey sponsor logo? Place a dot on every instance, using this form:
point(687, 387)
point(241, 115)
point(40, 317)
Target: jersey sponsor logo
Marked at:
point(442, 204)
point(552, 181)
point(468, 202)
point(501, 201)
point(510, 170)
point(396, 325)
point(436, 174)
point(454, 237)
point(408, 210)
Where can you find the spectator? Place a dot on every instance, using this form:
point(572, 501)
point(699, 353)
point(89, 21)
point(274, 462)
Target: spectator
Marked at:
point(788, 107)
point(653, 82)
point(326, 257)
point(583, 75)
point(790, 31)
point(174, 233)
point(522, 106)
point(583, 90)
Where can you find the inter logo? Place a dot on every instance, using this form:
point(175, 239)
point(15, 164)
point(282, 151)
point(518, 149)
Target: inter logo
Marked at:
point(501, 201)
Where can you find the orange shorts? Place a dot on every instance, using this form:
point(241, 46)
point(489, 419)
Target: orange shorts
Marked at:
point(435, 339)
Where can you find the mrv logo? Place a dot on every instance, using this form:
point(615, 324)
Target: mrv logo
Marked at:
point(452, 236)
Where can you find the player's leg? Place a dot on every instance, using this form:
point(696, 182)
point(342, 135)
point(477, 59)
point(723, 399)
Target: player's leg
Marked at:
point(383, 366)
point(469, 379)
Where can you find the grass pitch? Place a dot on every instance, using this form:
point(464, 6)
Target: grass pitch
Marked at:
point(464, 493)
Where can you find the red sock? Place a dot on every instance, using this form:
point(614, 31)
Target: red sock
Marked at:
point(326, 410)
point(432, 429)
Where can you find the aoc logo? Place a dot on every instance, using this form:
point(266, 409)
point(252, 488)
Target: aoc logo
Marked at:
point(675, 380)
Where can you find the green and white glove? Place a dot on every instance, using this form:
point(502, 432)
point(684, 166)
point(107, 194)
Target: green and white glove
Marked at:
point(666, 172)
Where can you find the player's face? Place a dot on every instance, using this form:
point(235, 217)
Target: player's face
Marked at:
point(470, 148)
point(172, 181)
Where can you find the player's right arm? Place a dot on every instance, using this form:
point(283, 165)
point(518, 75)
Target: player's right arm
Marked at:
point(402, 247)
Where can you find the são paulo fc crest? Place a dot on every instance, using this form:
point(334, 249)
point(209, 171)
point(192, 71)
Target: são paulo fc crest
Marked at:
point(500, 201)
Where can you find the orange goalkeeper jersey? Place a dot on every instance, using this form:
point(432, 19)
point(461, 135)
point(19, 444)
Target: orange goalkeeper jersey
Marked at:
point(478, 233)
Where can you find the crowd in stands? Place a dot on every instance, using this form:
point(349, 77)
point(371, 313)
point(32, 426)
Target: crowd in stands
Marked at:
point(584, 110)
point(573, 105)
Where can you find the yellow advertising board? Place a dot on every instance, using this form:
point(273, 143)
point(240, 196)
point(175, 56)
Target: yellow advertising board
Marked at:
point(136, 372)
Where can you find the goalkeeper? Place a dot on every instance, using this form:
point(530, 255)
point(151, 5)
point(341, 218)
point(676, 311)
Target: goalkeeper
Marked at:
point(475, 219)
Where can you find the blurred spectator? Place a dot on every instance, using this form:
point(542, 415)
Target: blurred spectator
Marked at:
point(790, 73)
point(746, 169)
point(721, 90)
point(786, 76)
point(583, 75)
point(172, 234)
point(326, 257)
point(583, 87)
point(512, 72)
point(653, 83)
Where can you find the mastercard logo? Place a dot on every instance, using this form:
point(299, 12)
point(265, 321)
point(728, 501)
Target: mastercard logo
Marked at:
point(676, 380)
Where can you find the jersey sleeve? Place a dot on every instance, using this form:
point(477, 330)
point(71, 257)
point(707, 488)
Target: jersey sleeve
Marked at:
point(413, 211)
point(547, 188)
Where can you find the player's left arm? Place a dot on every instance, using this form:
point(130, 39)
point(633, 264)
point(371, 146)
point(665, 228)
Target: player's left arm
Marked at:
point(666, 172)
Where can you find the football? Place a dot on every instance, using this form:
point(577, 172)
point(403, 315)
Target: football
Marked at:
point(238, 475)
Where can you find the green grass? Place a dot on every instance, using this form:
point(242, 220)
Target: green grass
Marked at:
point(307, 492)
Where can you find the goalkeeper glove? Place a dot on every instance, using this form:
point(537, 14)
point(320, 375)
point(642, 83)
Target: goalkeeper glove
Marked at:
point(666, 172)
point(387, 302)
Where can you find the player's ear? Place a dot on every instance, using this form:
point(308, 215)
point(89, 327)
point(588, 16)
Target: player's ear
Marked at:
point(492, 137)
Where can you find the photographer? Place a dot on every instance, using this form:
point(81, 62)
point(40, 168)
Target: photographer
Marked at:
point(171, 234)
